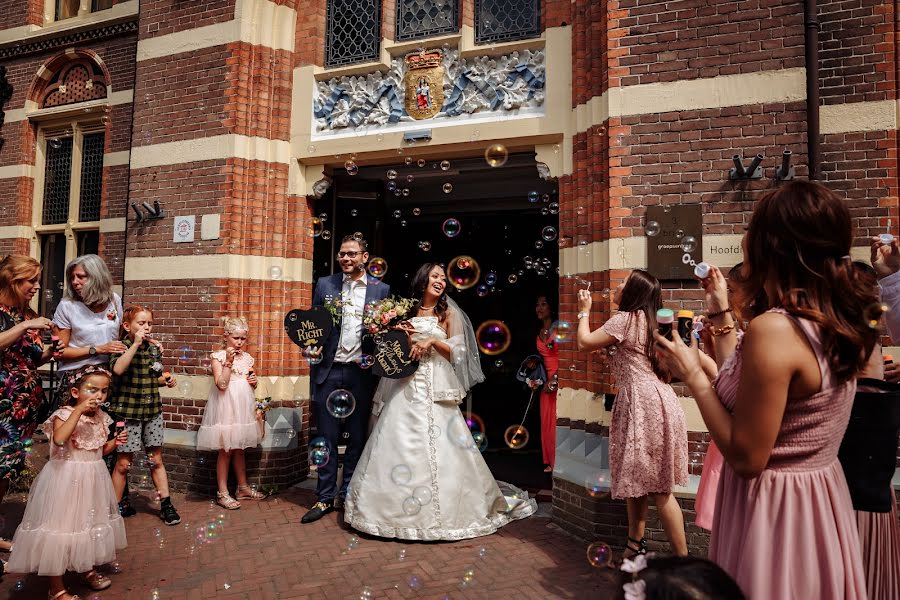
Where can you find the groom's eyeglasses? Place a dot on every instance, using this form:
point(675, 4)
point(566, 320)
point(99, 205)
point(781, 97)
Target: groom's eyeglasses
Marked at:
point(350, 254)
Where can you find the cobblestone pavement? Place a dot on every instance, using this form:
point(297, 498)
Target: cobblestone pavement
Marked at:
point(262, 551)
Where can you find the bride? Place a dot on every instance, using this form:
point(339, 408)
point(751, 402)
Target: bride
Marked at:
point(421, 475)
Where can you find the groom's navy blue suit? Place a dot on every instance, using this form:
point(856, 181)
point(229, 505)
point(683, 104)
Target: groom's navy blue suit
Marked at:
point(330, 375)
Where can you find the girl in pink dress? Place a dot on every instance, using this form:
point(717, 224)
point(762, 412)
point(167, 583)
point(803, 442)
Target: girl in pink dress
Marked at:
point(72, 521)
point(647, 434)
point(546, 347)
point(784, 525)
point(230, 421)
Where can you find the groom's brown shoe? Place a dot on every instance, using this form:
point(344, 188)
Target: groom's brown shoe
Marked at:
point(319, 510)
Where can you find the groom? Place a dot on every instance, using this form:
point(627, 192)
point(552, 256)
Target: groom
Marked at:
point(340, 368)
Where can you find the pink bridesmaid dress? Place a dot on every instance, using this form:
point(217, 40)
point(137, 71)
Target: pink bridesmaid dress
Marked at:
point(705, 503)
point(791, 531)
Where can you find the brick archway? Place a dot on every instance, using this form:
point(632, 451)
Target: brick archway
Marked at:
point(70, 77)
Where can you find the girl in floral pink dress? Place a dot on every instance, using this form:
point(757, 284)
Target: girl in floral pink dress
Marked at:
point(784, 525)
point(647, 434)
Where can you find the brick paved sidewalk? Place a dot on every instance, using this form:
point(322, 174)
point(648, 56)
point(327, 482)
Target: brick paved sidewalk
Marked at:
point(262, 551)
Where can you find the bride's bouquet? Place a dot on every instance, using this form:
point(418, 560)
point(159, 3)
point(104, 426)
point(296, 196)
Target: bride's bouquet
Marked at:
point(384, 315)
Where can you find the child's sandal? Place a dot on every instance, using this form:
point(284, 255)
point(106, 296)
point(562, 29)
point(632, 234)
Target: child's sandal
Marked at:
point(96, 581)
point(226, 501)
point(245, 492)
point(52, 596)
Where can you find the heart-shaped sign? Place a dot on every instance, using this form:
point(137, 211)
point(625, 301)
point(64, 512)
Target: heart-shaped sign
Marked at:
point(308, 327)
point(392, 356)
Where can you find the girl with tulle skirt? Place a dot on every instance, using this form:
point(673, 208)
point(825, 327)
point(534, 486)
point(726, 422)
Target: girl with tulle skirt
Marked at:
point(231, 422)
point(72, 521)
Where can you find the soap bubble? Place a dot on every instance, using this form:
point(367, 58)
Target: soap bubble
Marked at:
point(315, 227)
point(425, 245)
point(311, 355)
point(688, 243)
point(377, 267)
point(401, 474)
point(512, 278)
point(554, 208)
point(597, 485)
point(326, 235)
point(323, 217)
point(451, 228)
point(185, 387)
point(652, 229)
point(416, 211)
point(493, 337)
point(463, 272)
point(366, 361)
point(580, 211)
point(533, 196)
point(351, 167)
point(422, 495)
point(275, 273)
point(516, 436)
point(413, 582)
point(679, 233)
point(539, 244)
point(458, 355)
point(410, 178)
point(421, 162)
point(496, 155)
point(447, 187)
point(548, 233)
point(480, 439)
point(100, 531)
point(875, 312)
point(319, 453)
point(483, 290)
point(367, 593)
point(498, 364)
point(340, 403)
point(561, 330)
point(599, 554)
point(445, 165)
point(391, 174)
point(353, 212)
point(482, 552)
point(402, 554)
point(491, 278)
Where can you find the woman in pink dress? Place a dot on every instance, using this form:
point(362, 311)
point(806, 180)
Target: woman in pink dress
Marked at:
point(647, 434)
point(784, 525)
point(547, 348)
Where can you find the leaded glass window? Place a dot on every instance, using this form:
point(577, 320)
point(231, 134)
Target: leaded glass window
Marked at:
point(506, 20)
point(57, 180)
point(91, 177)
point(425, 18)
point(353, 31)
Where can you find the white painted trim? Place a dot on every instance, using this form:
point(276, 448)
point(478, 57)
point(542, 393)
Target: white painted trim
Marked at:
point(211, 148)
point(112, 225)
point(115, 159)
point(786, 85)
point(258, 22)
point(583, 405)
point(79, 109)
point(859, 116)
point(13, 171)
point(215, 266)
point(283, 388)
point(631, 253)
point(28, 33)
point(10, 232)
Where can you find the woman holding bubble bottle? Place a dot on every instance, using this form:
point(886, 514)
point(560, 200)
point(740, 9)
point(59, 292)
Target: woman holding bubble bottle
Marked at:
point(647, 435)
point(784, 525)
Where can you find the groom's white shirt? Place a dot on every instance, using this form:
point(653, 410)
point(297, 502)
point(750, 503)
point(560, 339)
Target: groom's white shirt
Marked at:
point(353, 293)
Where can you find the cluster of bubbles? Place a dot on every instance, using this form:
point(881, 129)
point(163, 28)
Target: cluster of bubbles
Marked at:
point(340, 403)
point(319, 452)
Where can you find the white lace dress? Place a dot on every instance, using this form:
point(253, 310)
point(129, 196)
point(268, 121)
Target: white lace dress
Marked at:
point(420, 476)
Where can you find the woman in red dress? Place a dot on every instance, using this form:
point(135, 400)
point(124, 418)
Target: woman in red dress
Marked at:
point(546, 347)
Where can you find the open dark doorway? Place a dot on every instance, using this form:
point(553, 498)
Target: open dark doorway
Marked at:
point(508, 221)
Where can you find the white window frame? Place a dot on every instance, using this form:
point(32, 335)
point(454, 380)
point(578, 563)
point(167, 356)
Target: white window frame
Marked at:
point(84, 9)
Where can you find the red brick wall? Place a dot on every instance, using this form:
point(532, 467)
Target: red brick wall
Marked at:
point(18, 13)
point(161, 17)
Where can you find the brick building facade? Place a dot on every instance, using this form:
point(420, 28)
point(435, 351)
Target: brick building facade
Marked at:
point(246, 113)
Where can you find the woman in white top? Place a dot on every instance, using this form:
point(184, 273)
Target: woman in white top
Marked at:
point(88, 317)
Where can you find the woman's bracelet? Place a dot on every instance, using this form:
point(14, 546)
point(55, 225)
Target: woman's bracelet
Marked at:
point(717, 331)
point(583, 314)
point(713, 315)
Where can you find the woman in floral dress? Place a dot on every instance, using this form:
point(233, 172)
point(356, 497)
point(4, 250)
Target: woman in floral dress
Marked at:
point(21, 353)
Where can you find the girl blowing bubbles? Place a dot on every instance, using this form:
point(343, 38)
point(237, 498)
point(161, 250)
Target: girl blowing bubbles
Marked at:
point(230, 422)
point(139, 375)
point(71, 521)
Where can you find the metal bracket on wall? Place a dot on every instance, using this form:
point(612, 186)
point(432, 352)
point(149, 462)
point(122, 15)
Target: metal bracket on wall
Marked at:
point(785, 172)
point(738, 171)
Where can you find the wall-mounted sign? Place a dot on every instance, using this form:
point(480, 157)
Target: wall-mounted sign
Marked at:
point(184, 229)
point(677, 241)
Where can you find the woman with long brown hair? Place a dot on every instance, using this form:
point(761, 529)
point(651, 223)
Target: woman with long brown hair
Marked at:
point(784, 524)
point(647, 434)
point(21, 353)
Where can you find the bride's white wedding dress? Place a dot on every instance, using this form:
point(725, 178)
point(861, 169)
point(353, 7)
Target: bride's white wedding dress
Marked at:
point(421, 476)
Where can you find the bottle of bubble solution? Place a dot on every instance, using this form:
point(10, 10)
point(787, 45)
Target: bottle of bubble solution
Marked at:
point(886, 238)
point(701, 271)
point(664, 319)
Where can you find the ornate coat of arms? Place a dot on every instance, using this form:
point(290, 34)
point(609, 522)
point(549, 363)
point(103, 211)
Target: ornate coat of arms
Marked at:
point(424, 83)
